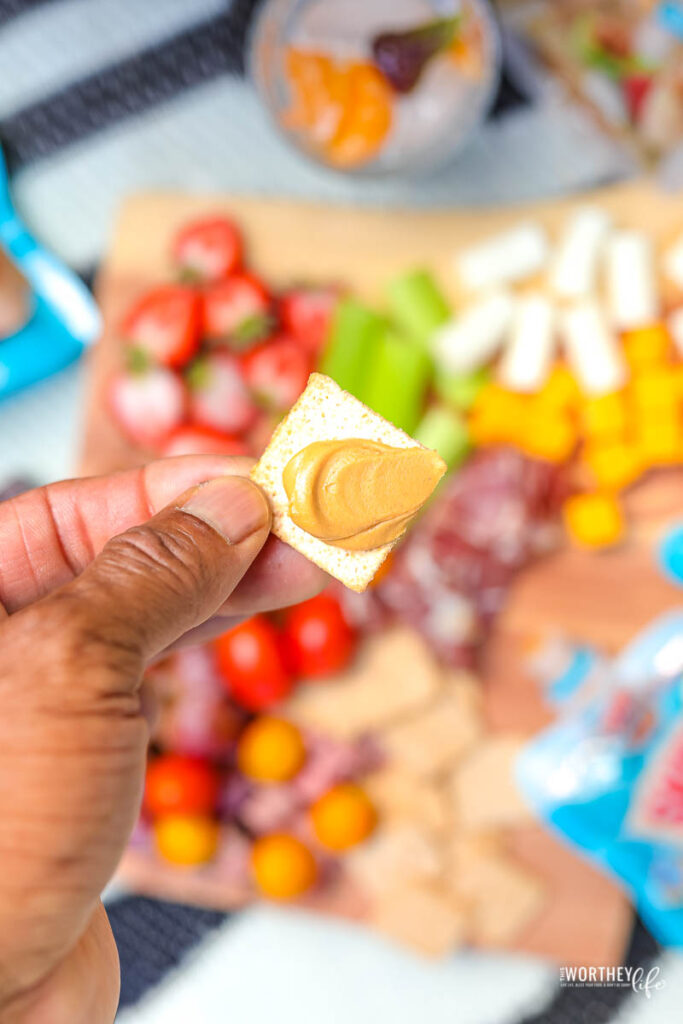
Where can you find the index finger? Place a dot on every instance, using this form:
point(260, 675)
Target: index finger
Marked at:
point(49, 535)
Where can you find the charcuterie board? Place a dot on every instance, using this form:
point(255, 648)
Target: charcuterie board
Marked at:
point(598, 598)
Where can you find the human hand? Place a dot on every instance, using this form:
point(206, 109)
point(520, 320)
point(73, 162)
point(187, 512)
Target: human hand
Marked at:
point(81, 614)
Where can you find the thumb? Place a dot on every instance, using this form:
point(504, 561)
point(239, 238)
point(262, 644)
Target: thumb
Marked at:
point(156, 581)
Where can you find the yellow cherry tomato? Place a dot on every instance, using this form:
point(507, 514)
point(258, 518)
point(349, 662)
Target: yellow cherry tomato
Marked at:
point(283, 868)
point(343, 817)
point(186, 839)
point(270, 750)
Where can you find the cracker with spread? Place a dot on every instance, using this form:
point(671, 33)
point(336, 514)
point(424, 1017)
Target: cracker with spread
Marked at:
point(344, 483)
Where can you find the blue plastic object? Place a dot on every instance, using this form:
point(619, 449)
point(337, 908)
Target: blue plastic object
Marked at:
point(670, 15)
point(64, 319)
point(670, 554)
point(609, 777)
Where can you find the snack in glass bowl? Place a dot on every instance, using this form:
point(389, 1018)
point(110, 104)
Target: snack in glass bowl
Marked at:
point(396, 85)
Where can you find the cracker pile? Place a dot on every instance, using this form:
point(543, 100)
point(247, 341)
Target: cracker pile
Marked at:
point(437, 872)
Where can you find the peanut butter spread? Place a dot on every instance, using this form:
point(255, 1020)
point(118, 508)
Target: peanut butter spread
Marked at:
point(358, 494)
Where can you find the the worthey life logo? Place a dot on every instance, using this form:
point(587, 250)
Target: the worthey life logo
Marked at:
point(637, 978)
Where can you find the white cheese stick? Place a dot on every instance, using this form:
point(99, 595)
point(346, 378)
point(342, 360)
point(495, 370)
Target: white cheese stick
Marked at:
point(631, 280)
point(591, 348)
point(673, 263)
point(476, 334)
point(575, 269)
point(531, 345)
point(510, 256)
point(675, 325)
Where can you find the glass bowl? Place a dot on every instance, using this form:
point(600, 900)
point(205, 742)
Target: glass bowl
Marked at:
point(319, 75)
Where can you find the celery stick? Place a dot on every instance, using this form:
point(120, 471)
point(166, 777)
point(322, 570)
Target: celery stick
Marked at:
point(397, 381)
point(350, 351)
point(417, 305)
point(445, 431)
point(461, 389)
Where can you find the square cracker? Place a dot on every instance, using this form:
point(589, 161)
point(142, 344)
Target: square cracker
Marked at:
point(393, 676)
point(483, 785)
point(324, 412)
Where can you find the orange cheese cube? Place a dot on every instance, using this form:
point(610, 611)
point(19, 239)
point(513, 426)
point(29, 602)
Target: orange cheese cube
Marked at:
point(560, 390)
point(613, 464)
point(655, 390)
point(497, 416)
point(659, 441)
point(647, 347)
point(551, 436)
point(605, 417)
point(594, 520)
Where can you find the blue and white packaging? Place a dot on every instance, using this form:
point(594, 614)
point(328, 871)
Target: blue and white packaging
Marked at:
point(608, 775)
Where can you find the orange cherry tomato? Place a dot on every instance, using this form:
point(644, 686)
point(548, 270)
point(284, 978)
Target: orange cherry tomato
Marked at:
point(282, 866)
point(270, 750)
point(343, 817)
point(186, 839)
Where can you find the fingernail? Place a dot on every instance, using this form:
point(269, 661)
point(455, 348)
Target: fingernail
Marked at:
point(232, 505)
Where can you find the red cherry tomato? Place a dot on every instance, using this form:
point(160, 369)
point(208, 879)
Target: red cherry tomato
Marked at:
point(251, 664)
point(276, 372)
point(196, 440)
point(208, 249)
point(180, 784)
point(317, 640)
point(165, 325)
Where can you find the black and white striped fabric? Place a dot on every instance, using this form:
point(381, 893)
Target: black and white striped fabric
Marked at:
point(98, 97)
point(101, 96)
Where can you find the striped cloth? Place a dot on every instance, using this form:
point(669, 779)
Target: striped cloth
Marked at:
point(99, 97)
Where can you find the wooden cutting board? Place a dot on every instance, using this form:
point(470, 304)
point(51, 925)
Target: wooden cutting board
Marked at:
point(601, 598)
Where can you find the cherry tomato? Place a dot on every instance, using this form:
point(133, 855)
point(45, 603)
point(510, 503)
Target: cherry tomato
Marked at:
point(208, 249)
point(283, 867)
point(251, 664)
point(276, 372)
point(343, 817)
point(317, 640)
point(186, 839)
point(180, 784)
point(165, 325)
point(270, 750)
